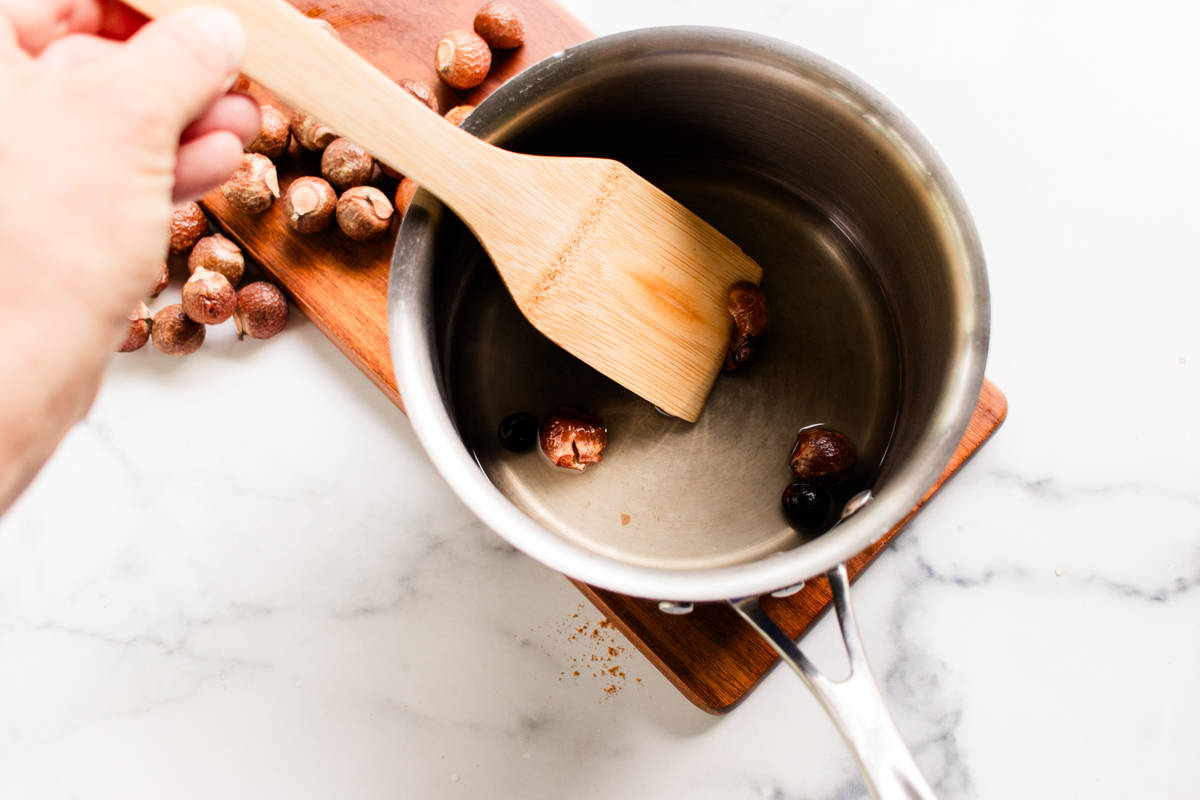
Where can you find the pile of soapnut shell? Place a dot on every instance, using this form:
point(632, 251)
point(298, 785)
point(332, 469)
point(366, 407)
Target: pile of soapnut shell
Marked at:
point(347, 191)
point(210, 296)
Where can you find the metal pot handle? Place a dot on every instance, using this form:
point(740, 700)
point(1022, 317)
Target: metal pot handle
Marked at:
point(855, 704)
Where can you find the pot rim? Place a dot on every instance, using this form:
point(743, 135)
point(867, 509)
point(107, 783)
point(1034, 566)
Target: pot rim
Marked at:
point(410, 318)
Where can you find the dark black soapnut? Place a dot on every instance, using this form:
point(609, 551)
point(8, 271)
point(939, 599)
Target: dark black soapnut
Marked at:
point(807, 505)
point(518, 432)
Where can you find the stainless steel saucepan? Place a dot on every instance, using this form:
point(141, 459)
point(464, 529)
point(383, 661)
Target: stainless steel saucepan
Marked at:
point(879, 328)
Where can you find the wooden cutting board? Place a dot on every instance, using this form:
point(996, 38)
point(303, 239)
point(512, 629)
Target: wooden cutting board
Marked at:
point(710, 655)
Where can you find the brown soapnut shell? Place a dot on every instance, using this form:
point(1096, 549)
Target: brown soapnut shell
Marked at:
point(747, 305)
point(309, 204)
point(164, 277)
point(344, 164)
point(219, 255)
point(255, 185)
point(174, 333)
point(822, 454)
point(274, 134)
point(459, 114)
point(462, 59)
point(208, 297)
point(188, 225)
point(138, 332)
point(261, 311)
point(311, 134)
point(404, 195)
point(500, 25)
point(571, 438)
point(420, 90)
point(363, 213)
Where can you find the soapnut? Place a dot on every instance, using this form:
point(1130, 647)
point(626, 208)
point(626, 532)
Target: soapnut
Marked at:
point(254, 186)
point(822, 454)
point(500, 25)
point(420, 90)
point(208, 297)
point(309, 204)
point(747, 305)
point(138, 332)
point(344, 164)
point(364, 213)
point(188, 225)
point(164, 277)
point(458, 114)
point(462, 59)
point(404, 195)
point(218, 254)
point(274, 134)
point(261, 311)
point(311, 134)
point(174, 333)
point(571, 438)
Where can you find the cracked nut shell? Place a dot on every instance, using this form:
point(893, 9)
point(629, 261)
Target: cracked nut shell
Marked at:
point(274, 134)
point(310, 134)
point(463, 59)
point(500, 25)
point(188, 225)
point(344, 164)
point(174, 333)
point(822, 454)
point(139, 330)
point(747, 305)
point(255, 185)
point(208, 297)
point(363, 213)
point(218, 254)
point(261, 311)
point(571, 438)
point(309, 205)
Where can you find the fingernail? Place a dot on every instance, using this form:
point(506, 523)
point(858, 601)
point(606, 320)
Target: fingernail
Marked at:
point(222, 30)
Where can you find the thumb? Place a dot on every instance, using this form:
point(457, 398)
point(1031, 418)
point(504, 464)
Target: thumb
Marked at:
point(183, 62)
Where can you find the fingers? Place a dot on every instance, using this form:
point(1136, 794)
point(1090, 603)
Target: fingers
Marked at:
point(76, 50)
point(236, 113)
point(178, 65)
point(205, 163)
point(10, 48)
point(39, 22)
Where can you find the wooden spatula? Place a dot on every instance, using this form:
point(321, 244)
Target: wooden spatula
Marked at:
point(599, 260)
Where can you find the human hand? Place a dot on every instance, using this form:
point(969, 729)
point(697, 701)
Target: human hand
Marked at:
point(101, 137)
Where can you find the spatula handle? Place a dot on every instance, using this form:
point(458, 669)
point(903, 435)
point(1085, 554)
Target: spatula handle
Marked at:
point(313, 71)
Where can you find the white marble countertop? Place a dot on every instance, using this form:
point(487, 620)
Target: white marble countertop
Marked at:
point(240, 577)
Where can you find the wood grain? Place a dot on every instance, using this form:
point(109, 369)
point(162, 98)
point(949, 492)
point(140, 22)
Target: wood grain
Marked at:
point(711, 655)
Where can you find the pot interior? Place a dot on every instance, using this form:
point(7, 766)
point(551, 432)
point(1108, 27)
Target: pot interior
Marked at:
point(867, 324)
